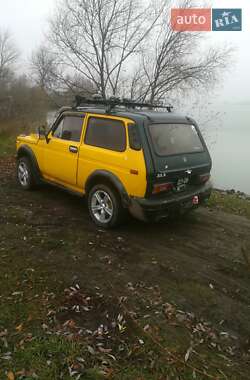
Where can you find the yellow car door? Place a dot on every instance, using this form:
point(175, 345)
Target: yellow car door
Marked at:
point(104, 147)
point(61, 152)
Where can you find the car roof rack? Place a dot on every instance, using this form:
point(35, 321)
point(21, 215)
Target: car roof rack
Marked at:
point(112, 102)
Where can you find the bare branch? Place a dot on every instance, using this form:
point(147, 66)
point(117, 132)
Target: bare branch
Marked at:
point(98, 37)
point(8, 52)
point(177, 62)
point(128, 47)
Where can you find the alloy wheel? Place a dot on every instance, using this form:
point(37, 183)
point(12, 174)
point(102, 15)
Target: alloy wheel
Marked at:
point(102, 206)
point(23, 174)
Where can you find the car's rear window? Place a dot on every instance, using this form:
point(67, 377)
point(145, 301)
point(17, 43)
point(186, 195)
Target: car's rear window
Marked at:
point(171, 139)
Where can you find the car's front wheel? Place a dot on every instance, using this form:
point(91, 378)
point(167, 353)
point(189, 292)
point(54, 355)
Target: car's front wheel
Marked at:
point(105, 206)
point(25, 175)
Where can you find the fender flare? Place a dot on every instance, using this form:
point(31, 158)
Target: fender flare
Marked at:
point(26, 151)
point(111, 178)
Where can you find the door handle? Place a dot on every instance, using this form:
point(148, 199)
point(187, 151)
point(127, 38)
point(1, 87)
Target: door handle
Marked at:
point(73, 149)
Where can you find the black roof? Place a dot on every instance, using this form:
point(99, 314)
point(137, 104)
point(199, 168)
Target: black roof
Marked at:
point(151, 115)
point(126, 108)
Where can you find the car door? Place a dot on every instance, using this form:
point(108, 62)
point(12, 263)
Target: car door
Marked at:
point(104, 147)
point(61, 153)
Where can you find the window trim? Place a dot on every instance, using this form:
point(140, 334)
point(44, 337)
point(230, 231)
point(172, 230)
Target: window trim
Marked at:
point(105, 119)
point(55, 128)
point(61, 118)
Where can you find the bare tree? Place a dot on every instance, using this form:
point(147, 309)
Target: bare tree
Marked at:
point(177, 62)
point(79, 84)
point(44, 68)
point(95, 38)
point(8, 53)
point(58, 86)
point(128, 48)
point(8, 56)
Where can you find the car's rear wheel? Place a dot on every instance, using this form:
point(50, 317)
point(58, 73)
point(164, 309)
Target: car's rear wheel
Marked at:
point(105, 206)
point(25, 175)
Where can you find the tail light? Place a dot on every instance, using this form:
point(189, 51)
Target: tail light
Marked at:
point(204, 177)
point(160, 187)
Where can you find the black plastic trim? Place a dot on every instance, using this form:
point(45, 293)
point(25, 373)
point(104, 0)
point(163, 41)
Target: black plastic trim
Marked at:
point(154, 203)
point(156, 209)
point(26, 151)
point(104, 174)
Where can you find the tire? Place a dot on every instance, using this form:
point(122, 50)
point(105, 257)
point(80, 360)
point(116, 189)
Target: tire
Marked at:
point(25, 175)
point(105, 207)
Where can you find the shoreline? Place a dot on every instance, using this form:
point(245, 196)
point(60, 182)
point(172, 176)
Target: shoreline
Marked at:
point(239, 194)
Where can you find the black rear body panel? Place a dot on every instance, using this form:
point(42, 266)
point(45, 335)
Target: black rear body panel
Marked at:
point(170, 169)
point(175, 167)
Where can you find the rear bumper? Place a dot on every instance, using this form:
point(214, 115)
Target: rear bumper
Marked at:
point(154, 209)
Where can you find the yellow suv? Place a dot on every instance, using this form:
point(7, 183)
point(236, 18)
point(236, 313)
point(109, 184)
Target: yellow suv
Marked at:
point(123, 156)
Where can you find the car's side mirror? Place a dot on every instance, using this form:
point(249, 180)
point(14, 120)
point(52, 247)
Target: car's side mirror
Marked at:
point(42, 133)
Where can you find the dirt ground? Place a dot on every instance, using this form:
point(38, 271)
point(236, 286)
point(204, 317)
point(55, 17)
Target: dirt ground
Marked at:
point(183, 285)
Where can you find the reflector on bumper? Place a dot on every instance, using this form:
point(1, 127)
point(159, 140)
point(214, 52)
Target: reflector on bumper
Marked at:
point(195, 200)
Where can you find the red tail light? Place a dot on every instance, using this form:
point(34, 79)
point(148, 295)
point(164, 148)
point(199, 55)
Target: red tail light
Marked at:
point(204, 177)
point(160, 187)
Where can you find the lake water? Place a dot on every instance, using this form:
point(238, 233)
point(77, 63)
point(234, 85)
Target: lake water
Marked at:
point(230, 150)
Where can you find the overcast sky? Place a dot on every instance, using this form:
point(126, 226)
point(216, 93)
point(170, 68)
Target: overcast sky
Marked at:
point(27, 21)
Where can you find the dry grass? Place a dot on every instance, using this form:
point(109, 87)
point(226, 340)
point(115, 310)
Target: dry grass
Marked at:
point(15, 126)
point(9, 129)
point(230, 203)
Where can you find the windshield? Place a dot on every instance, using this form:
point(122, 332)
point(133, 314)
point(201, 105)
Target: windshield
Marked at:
point(175, 139)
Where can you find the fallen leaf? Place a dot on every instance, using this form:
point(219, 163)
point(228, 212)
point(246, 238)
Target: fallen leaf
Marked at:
point(188, 354)
point(91, 350)
point(10, 375)
point(21, 373)
point(3, 333)
point(104, 350)
point(70, 323)
point(19, 327)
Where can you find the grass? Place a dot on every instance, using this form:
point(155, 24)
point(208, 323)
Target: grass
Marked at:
point(32, 330)
point(230, 203)
point(47, 356)
point(7, 144)
point(25, 302)
point(9, 129)
point(48, 244)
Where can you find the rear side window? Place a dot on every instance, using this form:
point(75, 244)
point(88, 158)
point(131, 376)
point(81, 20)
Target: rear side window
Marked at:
point(69, 128)
point(106, 133)
point(171, 139)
